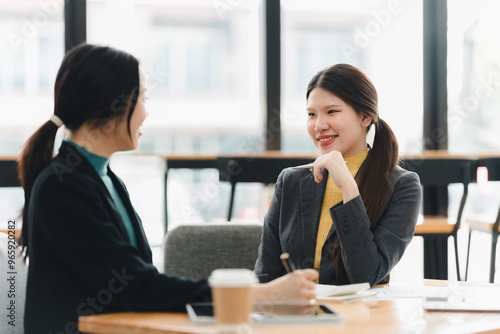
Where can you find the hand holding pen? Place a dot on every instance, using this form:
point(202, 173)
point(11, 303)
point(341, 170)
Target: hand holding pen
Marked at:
point(287, 262)
point(298, 285)
point(295, 287)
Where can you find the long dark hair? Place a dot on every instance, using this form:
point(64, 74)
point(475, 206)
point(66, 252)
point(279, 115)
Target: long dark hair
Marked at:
point(374, 176)
point(94, 85)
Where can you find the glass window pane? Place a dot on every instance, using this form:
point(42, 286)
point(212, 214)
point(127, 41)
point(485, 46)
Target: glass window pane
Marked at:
point(382, 38)
point(31, 50)
point(473, 76)
point(202, 61)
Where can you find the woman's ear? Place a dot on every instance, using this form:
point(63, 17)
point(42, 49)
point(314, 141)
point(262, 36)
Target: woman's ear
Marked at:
point(365, 120)
point(109, 125)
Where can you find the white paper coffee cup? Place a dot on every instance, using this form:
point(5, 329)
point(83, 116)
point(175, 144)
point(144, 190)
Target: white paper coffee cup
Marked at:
point(232, 296)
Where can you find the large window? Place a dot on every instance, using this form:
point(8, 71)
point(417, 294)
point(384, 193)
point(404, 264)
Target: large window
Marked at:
point(382, 38)
point(31, 49)
point(203, 63)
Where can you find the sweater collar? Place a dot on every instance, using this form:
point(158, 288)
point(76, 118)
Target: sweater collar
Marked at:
point(99, 163)
point(355, 162)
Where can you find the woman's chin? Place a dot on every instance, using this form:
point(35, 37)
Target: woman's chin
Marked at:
point(325, 150)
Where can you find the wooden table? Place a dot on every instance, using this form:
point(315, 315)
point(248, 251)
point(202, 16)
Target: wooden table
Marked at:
point(17, 233)
point(402, 315)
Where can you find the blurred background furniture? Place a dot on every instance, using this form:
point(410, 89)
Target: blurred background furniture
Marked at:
point(438, 225)
point(8, 172)
point(257, 167)
point(183, 161)
point(8, 179)
point(491, 227)
point(196, 250)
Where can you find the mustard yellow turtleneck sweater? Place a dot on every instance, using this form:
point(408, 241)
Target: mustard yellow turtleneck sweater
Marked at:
point(333, 195)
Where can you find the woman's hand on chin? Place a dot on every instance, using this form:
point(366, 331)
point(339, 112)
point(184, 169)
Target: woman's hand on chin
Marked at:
point(337, 169)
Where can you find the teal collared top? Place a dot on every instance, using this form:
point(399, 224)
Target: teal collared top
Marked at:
point(101, 166)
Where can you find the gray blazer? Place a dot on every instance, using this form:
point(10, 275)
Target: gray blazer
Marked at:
point(291, 225)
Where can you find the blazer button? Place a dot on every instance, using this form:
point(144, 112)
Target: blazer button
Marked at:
point(342, 221)
point(346, 230)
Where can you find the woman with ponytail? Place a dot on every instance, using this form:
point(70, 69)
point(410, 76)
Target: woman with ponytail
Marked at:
point(85, 243)
point(353, 214)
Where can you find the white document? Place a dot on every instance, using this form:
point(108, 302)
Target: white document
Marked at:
point(343, 293)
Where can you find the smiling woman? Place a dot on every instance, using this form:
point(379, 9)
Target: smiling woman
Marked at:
point(353, 215)
point(330, 117)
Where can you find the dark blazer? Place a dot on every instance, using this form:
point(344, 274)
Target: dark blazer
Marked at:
point(291, 225)
point(81, 260)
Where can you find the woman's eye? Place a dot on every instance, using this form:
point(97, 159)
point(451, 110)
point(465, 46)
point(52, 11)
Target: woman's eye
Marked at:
point(332, 111)
point(311, 114)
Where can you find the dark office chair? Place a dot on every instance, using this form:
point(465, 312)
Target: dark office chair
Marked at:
point(493, 165)
point(8, 173)
point(439, 173)
point(196, 250)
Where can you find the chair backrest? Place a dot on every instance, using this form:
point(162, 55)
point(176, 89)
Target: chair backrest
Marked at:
point(442, 172)
point(12, 288)
point(493, 165)
point(8, 174)
point(196, 250)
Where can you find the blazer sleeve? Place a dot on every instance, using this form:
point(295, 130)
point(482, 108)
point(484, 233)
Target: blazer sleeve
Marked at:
point(85, 238)
point(370, 256)
point(268, 265)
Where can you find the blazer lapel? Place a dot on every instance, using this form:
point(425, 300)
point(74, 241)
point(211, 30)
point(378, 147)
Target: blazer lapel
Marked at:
point(311, 199)
point(142, 243)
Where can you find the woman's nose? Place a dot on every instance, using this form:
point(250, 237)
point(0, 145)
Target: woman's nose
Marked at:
point(321, 124)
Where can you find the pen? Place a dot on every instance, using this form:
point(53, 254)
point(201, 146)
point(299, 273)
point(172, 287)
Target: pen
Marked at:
point(287, 263)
